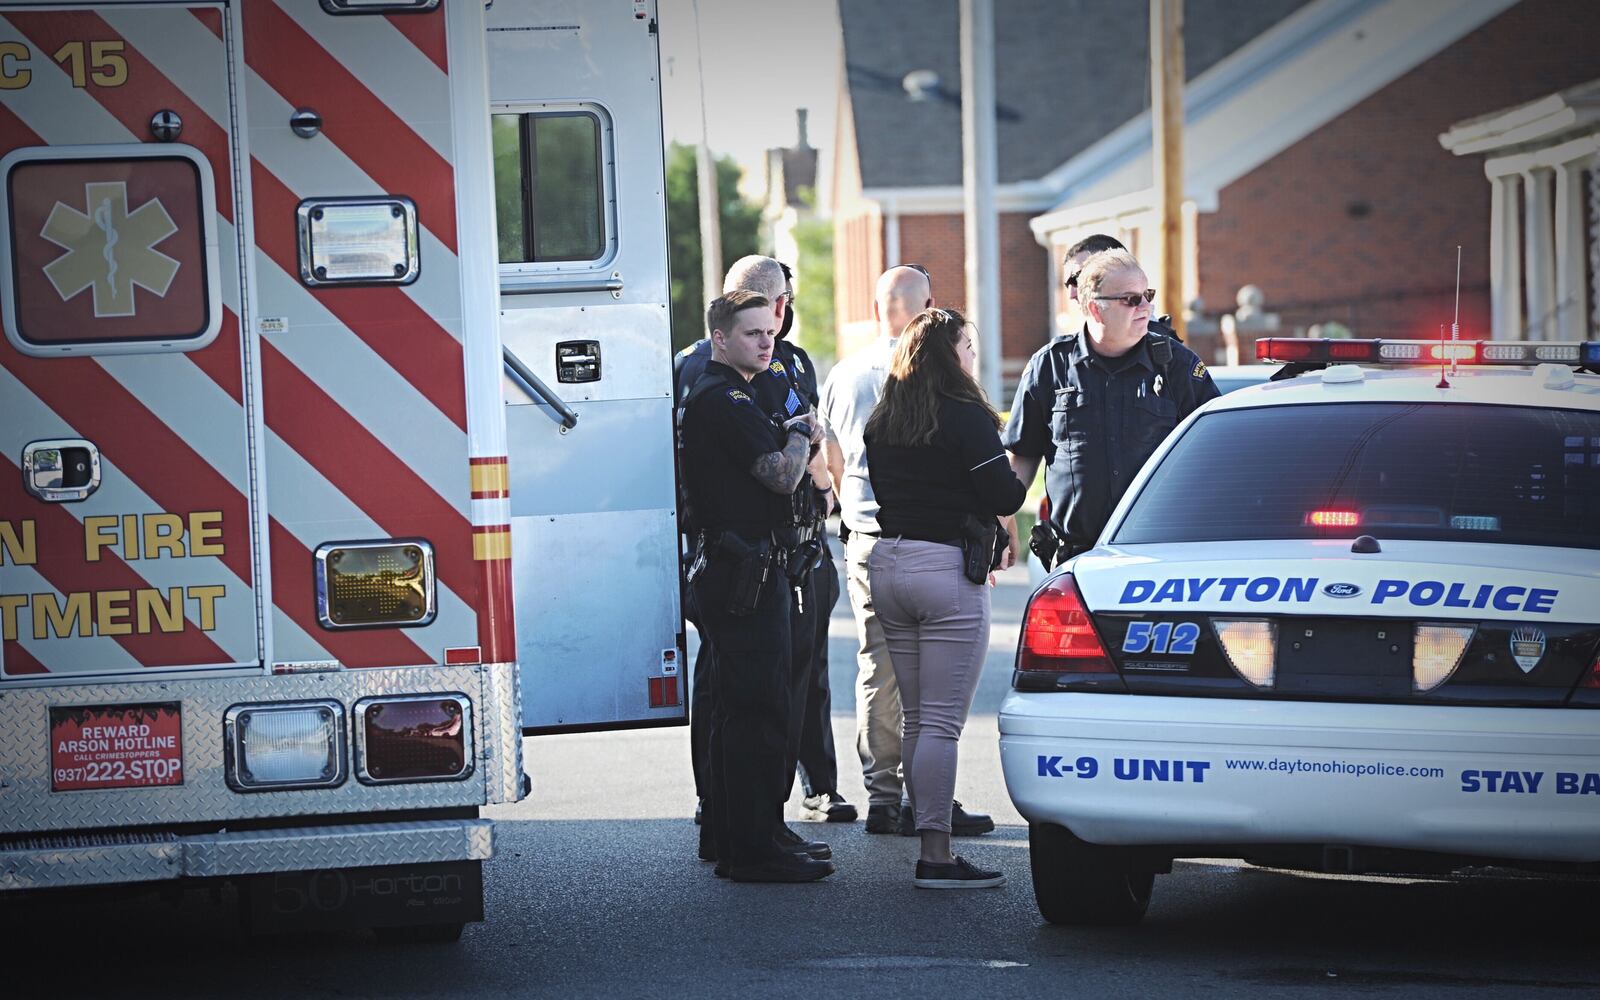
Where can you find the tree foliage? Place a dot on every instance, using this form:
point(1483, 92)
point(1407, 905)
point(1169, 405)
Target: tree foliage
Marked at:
point(741, 227)
point(813, 307)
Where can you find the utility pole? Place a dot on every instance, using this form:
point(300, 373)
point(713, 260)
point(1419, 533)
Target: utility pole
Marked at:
point(706, 174)
point(978, 170)
point(1166, 118)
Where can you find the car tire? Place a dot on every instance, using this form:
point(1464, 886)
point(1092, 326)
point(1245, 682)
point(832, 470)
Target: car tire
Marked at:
point(1076, 882)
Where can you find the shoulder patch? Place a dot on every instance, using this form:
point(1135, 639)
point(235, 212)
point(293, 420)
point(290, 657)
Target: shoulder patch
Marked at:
point(1199, 370)
point(776, 367)
point(738, 396)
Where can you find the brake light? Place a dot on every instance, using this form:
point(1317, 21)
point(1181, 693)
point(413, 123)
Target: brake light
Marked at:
point(1333, 518)
point(1058, 635)
point(1592, 678)
point(405, 738)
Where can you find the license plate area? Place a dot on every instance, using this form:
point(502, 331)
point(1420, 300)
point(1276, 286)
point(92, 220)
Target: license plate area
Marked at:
point(96, 747)
point(1343, 656)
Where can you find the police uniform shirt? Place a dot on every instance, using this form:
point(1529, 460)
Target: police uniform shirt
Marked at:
point(1096, 420)
point(724, 432)
point(788, 386)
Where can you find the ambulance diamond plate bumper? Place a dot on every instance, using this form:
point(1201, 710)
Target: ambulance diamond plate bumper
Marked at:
point(62, 861)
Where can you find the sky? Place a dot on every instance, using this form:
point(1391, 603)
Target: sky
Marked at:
point(763, 59)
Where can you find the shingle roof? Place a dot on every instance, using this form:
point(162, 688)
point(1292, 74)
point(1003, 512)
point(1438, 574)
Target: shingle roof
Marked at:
point(1066, 73)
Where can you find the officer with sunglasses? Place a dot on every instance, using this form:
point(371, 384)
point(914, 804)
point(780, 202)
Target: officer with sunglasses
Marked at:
point(1093, 406)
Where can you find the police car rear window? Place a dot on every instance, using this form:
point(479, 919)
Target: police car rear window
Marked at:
point(1503, 474)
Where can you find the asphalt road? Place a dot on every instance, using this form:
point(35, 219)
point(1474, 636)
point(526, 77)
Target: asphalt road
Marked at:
point(595, 892)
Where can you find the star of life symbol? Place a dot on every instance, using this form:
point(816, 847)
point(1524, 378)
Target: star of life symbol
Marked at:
point(110, 249)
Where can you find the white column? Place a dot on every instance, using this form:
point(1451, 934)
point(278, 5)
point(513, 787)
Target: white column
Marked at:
point(1572, 252)
point(979, 171)
point(891, 234)
point(1505, 259)
point(1541, 271)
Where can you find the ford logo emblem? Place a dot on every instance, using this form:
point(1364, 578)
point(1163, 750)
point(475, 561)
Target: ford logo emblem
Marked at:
point(1341, 590)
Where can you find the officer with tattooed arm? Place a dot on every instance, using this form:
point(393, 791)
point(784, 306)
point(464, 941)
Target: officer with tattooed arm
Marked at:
point(741, 470)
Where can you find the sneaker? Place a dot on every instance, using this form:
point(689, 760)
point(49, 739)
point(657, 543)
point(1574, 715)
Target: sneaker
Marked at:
point(883, 818)
point(792, 843)
point(960, 874)
point(827, 807)
point(783, 868)
point(962, 823)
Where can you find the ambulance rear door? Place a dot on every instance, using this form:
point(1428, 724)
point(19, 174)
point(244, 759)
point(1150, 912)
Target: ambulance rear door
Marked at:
point(585, 322)
point(127, 536)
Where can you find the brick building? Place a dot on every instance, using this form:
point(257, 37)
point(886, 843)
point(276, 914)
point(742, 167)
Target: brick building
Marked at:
point(896, 191)
point(1313, 166)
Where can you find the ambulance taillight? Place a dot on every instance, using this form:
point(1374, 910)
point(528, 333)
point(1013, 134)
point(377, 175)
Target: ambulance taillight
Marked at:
point(413, 738)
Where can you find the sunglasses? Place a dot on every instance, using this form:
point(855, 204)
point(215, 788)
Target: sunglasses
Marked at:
point(1072, 282)
point(1132, 299)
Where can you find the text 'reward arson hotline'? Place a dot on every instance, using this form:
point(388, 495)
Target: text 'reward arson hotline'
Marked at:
point(115, 746)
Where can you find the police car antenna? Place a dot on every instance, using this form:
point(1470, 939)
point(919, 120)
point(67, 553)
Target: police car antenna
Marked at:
point(1455, 330)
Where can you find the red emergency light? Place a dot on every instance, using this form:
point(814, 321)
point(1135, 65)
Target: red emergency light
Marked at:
point(1333, 518)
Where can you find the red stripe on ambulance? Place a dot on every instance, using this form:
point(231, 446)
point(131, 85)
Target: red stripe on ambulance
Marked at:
point(145, 87)
point(60, 532)
point(359, 466)
point(364, 128)
point(385, 318)
point(427, 33)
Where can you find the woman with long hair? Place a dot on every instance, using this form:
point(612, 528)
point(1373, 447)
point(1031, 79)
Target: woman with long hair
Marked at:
point(941, 480)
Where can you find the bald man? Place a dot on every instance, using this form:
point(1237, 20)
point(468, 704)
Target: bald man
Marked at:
point(852, 390)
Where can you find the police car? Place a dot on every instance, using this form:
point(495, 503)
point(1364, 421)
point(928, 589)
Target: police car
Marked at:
point(1347, 620)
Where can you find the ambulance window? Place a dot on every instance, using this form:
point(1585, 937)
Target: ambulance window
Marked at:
point(550, 186)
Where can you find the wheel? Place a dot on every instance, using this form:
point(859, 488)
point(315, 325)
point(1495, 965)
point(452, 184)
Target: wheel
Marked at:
point(1076, 882)
point(420, 933)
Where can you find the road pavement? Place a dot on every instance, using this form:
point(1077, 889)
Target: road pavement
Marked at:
point(595, 892)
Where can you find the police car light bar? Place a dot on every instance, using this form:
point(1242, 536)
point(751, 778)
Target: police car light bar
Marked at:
point(1306, 350)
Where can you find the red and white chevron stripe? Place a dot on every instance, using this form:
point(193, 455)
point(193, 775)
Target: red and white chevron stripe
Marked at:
point(360, 392)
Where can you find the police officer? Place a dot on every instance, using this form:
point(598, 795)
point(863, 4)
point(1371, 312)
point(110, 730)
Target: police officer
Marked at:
point(1095, 405)
point(786, 388)
point(741, 471)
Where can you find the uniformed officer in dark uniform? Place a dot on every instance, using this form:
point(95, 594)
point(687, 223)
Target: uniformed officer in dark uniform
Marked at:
point(1095, 405)
point(741, 470)
point(785, 389)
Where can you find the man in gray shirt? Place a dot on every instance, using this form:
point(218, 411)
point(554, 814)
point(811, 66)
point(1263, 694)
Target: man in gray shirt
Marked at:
point(848, 396)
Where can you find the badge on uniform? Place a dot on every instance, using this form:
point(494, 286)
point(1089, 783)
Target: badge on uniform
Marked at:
point(792, 404)
point(737, 396)
point(1199, 369)
point(1159, 382)
point(776, 367)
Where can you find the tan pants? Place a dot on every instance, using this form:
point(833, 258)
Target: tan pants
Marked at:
point(936, 623)
point(878, 718)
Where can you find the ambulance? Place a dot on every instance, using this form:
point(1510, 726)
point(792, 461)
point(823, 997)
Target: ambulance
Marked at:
point(1344, 621)
point(335, 431)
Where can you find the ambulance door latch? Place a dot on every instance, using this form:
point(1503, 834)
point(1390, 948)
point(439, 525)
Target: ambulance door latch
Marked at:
point(64, 470)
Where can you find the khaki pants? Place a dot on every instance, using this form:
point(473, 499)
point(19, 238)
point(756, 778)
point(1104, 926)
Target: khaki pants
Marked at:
point(936, 622)
point(878, 718)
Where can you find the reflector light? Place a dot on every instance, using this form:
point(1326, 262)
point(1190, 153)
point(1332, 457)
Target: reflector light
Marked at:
point(1251, 645)
point(409, 738)
point(1333, 518)
point(364, 584)
point(1058, 634)
point(286, 745)
point(358, 241)
point(1437, 653)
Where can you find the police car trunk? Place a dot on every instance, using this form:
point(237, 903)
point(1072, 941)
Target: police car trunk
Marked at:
point(1347, 621)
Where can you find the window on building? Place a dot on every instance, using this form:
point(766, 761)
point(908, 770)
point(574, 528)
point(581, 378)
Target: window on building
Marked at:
point(550, 186)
